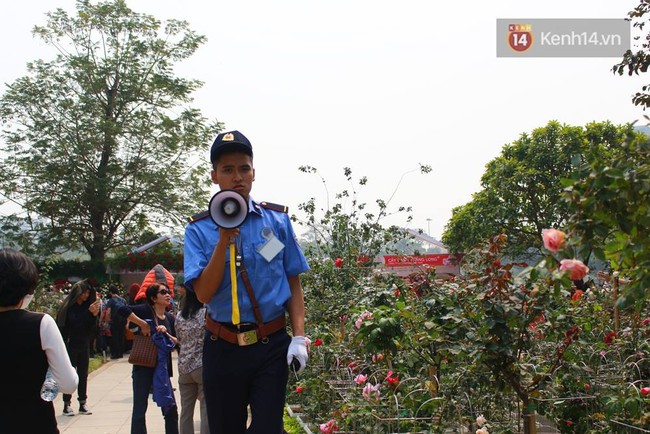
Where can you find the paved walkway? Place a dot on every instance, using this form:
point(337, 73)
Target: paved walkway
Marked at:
point(110, 399)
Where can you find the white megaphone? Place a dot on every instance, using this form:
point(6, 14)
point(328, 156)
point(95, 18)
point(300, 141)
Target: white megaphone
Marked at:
point(228, 209)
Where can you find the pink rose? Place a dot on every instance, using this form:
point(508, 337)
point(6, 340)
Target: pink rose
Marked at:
point(370, 392)
point(329, 427)
point(553, 239)
point(576, 268)
point(360, 379)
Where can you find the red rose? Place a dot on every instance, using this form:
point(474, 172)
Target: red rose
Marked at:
point(318, 342)
point(300, 389)
point(338, 262)
point(587, 387)
point(392, 379)
point(609, 338)
point(645, 391)
point(577, 295)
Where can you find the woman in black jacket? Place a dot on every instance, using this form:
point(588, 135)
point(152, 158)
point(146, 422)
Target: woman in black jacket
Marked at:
point(154, 310)
point(76, 319)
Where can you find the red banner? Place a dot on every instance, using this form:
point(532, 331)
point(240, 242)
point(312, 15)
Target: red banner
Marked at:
point(434, 260)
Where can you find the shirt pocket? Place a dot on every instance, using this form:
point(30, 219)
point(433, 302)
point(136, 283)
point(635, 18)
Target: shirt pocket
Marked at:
point(274, 268)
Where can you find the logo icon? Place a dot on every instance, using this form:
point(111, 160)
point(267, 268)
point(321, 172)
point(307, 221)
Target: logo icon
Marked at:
point(229, 137)
point(520, 37)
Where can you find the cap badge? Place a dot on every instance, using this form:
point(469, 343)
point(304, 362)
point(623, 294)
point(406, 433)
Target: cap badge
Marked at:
point(229, 137)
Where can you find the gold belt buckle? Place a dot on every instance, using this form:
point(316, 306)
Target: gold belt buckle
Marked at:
point(247, 338)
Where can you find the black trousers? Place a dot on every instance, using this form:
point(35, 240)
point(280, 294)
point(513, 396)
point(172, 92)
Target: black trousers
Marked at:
point(79, 357)
point(235, 377)
point(117, 337)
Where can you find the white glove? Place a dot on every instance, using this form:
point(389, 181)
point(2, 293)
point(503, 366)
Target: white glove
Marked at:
point(298, 352)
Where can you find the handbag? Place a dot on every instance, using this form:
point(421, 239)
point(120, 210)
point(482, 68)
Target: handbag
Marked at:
point(144, 352)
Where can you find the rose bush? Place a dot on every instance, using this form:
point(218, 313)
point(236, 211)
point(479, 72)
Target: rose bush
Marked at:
point(453, 350)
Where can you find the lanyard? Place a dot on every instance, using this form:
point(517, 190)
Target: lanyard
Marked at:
point(233, 285)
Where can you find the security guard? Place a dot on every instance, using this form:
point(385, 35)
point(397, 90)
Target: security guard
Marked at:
point(247, 349)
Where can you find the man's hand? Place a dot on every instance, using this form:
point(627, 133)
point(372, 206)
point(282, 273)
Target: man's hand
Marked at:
point(228, 235)
point(298, 352)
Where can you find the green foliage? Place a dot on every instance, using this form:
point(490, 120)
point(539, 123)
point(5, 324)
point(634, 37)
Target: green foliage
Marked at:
point(610, 200)
point(101, 145)
point(291, 426)
point(635, 63)
point(47, 301)
point(351, 235)
point(521, 189)
point(478, 345)
point(504, 338)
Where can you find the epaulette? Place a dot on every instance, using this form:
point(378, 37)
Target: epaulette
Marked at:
point(199, 216)
point(274, 207)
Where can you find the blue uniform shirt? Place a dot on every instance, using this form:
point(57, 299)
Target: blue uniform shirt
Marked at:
point(268, 279)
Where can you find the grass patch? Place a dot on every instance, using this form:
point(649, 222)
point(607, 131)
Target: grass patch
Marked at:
point(291, 425)
point(95, 362)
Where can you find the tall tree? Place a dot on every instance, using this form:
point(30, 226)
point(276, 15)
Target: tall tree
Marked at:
point(100, 142)
point(522, 188)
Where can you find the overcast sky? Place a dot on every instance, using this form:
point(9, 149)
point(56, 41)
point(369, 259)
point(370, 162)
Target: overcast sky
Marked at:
point(377, 86)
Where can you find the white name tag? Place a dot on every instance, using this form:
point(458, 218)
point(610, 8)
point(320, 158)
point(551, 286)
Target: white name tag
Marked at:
point(271, 248)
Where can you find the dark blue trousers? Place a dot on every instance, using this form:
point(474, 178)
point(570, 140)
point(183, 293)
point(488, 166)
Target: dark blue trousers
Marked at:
point(235, 377)
point(142, 383)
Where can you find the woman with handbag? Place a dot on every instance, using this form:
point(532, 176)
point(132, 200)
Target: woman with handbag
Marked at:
point(150, 316)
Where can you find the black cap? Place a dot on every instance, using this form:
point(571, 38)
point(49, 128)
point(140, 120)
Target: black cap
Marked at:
point(230, 141)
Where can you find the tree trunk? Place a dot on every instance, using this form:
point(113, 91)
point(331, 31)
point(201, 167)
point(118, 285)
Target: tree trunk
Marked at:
point(529, 418)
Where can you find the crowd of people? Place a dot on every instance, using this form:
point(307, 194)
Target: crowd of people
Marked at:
point(66, 344)
point(228, 323)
